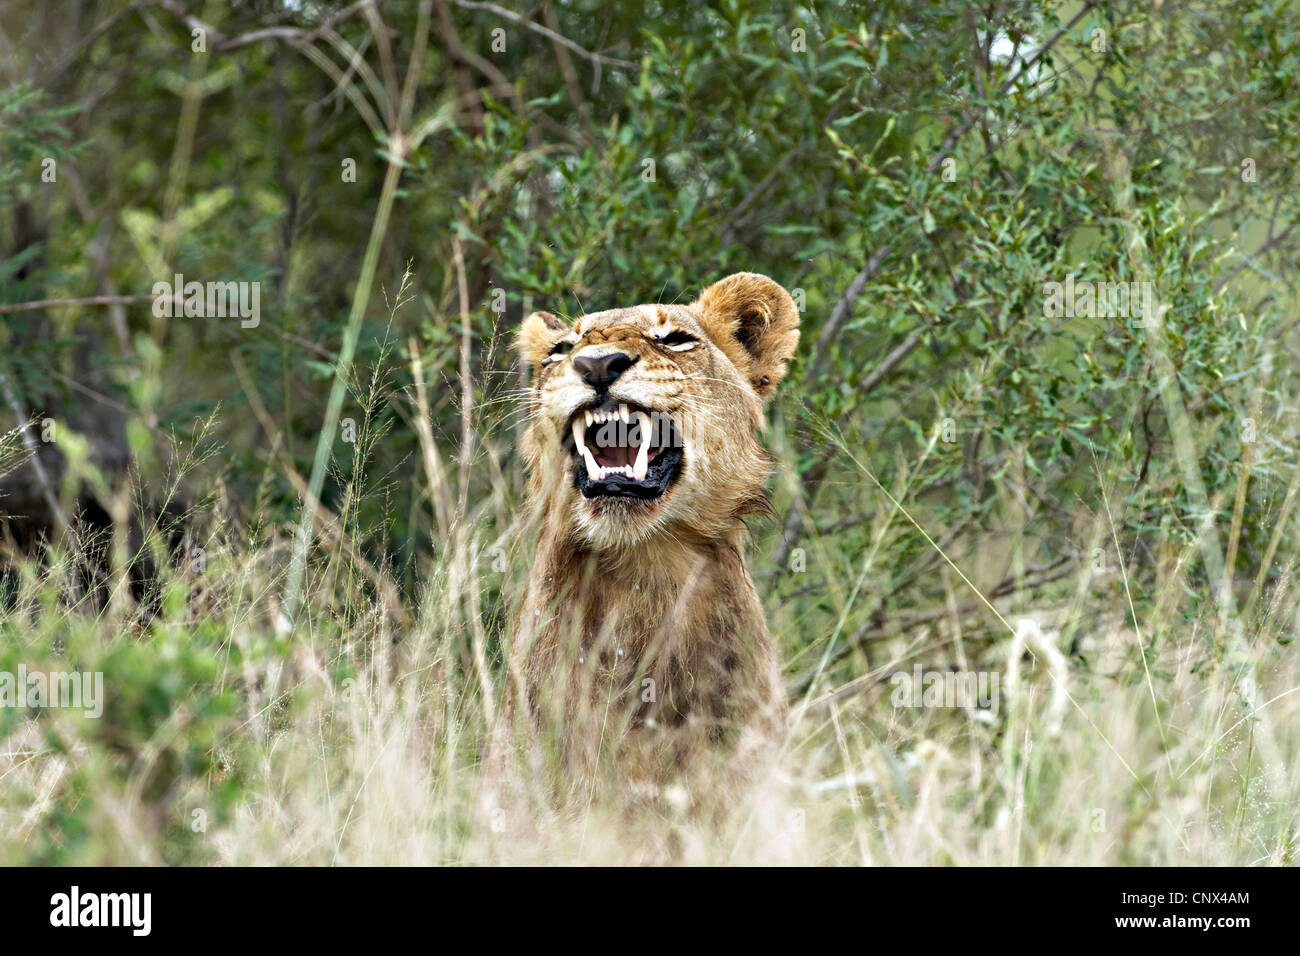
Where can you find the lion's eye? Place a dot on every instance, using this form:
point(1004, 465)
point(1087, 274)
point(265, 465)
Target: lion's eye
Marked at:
point(558, 351)
point(678, 341)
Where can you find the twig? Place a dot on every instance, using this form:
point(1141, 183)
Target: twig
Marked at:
point(595, 58)
point(293, 34)
point(877, 374)
point(567, 72)
point(843, 309)
point(812, 478)
point(69, 303)
point(466, 384)
point(380, 32)
point(451, 40)
point(1269, 243)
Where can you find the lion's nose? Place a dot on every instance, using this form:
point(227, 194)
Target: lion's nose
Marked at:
point(601, 371)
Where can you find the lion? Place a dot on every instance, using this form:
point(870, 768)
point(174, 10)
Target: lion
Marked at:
point(641, 656)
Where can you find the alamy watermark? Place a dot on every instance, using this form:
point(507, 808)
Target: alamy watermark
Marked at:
point(213, 300)
point(132, 911)
point(54, 689)
point(1113, 300)
point(970, 690)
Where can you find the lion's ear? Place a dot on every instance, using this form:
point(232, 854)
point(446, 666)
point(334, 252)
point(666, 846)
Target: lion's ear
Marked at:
point(538, 335)
point(754, 320)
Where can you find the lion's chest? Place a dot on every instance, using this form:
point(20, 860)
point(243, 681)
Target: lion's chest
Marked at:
point(668, 657)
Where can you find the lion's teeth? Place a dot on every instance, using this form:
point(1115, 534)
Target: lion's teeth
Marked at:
point(587, 414)
point(622, 413)
point(643, 453)
point(577, 436)
point(593, 469)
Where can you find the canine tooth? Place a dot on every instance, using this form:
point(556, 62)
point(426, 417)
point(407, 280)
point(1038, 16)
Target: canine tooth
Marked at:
point(643, 453)
point(593, 469)
point(622, 413)
point(589, 417)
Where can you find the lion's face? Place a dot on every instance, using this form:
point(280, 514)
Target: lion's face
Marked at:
point(644, 418)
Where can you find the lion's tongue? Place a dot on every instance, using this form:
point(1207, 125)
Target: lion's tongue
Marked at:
point(615, 456)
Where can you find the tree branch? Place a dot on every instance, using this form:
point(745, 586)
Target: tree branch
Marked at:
point(67, 303)
point(293, 34)
point(551, 35)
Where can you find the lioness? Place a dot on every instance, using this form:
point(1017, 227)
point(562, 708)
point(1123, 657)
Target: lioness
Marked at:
point(641, 646)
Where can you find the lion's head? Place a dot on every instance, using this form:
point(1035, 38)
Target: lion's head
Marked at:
point(643, 419)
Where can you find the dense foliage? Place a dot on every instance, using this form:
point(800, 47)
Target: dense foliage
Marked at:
point(961, 448)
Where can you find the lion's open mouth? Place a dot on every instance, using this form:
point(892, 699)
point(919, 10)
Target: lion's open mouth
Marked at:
point(624, 452)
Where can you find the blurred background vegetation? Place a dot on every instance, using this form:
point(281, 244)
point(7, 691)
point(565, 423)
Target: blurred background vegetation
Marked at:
point(406, 180)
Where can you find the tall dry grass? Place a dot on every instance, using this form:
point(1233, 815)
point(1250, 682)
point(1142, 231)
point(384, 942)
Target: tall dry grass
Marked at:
point(1138, 722)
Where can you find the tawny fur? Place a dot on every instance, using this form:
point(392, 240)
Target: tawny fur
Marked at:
point(641, 653)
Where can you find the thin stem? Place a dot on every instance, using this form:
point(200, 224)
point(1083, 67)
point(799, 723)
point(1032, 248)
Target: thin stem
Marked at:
point(324, 445)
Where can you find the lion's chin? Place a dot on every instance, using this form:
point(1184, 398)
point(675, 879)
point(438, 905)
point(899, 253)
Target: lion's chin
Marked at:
point(616, 523)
